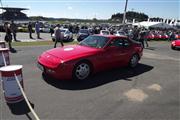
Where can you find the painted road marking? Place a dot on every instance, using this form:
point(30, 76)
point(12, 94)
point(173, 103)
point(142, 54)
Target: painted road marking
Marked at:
point(136, 95)
point(155, 87)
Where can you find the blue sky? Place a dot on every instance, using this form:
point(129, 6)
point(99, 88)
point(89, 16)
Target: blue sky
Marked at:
point(101, 9)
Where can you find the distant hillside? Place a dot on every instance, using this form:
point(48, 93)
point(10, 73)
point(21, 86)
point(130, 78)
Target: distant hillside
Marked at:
point(130, 15)
point(41, 18)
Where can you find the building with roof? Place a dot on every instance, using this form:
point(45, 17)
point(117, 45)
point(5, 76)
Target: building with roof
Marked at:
point(11, 13)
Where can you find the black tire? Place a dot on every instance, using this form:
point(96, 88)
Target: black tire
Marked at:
point(134, 61)
point(82, 70)
point(172, 47)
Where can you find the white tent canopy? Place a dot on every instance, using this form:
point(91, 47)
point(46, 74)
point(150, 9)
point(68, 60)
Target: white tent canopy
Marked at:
point(147, 24)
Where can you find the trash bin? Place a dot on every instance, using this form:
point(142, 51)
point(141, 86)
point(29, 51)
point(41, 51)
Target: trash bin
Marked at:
point(10, 86)
point(2, 44)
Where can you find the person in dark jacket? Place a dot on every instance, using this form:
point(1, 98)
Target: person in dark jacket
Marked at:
point(13, 28)
point(30, 30)
point(8, 36)
point(51, 30)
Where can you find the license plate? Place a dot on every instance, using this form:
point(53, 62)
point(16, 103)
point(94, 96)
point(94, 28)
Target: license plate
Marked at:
point(40, 67)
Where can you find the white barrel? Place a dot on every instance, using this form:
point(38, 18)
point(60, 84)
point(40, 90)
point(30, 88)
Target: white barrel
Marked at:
point(2, 44)
point(10, 87)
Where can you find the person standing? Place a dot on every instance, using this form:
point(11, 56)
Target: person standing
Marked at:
point(58, 36)
point(13, 28)
point(30, 30)
point(37, 29)
point(51, 30)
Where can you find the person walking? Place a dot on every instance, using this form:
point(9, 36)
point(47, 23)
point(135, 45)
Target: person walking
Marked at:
point(8, 36)
point(37, 29)
point(13, 28)
point(30, 30)
point(145, 38)
point(58, 36)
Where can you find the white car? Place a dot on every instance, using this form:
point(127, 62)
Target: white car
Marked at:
point(67, 35)
point(45, 30)
point(120, 33)
point(104, 32)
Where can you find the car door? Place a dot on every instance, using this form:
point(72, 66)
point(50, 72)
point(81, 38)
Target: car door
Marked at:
point(127, 50)
point(115, 53)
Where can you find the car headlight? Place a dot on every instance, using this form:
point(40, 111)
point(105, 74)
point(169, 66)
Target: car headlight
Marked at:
point(50, 70)
point(173, 42)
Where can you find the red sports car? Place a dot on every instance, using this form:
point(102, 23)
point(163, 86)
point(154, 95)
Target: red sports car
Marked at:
point(95, 53)
point(175, 44)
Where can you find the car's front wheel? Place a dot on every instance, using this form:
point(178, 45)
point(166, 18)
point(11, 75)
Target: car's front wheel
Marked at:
point(172, 47)
point(82, 71)
point(134, 61)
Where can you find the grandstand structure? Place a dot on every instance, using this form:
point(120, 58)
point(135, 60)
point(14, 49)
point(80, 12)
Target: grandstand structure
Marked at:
point(10, 13)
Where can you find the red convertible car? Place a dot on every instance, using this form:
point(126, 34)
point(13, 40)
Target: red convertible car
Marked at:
point(95, 53)
point(175, 44)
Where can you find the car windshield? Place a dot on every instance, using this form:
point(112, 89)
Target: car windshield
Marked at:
point(105, 32)
point(94, 41)
point(63, 30)
point(84, 31)
point(121, 33)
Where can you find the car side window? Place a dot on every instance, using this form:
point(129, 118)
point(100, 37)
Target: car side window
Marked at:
point(117, 43)
point(126, 43)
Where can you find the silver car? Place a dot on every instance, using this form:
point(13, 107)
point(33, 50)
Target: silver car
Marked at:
point(67, 35)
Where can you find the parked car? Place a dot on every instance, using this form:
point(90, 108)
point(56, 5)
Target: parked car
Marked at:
point(177, 36)
point(175, 44)
point(149, 36)
point(104, 32)
point(157, 36)
point(164, 36)
point(82, 34)
point(95, 53)
point(45, 30)
point(67, 35)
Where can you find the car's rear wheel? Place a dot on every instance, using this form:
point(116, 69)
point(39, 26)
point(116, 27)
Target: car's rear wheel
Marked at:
point(134, 61)
point(82, 70)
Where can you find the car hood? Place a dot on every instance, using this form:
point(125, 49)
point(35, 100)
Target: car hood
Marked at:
point(71, 52)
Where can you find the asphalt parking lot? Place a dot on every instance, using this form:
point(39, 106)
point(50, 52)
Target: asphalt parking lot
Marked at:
point(148, 92)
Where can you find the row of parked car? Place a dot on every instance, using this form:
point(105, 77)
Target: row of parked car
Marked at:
point(161, 36)
point(83, 33)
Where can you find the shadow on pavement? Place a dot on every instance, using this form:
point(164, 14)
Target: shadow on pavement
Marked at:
point(99, 78)
point(20, 108)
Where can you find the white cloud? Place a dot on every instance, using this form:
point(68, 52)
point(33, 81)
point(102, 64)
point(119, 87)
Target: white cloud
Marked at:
point(69, 8)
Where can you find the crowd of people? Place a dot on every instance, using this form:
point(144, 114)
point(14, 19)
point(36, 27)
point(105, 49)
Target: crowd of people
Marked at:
point(135, 33)
point(11, 32)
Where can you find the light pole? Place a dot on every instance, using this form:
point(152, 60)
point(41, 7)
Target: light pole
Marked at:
point(124, 16)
